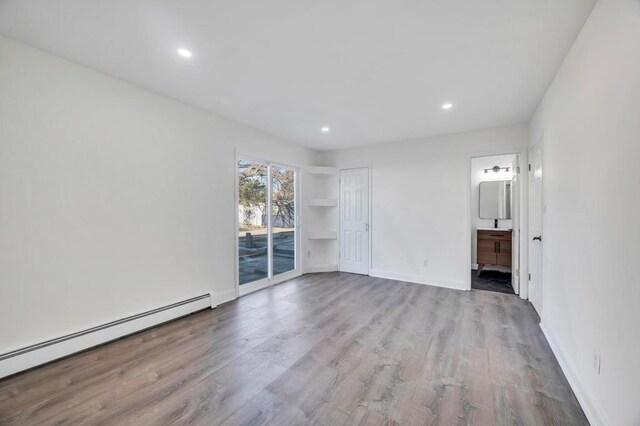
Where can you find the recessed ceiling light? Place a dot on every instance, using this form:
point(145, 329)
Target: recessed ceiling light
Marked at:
point(447, 106)
point(325, 129)
point(184, 53)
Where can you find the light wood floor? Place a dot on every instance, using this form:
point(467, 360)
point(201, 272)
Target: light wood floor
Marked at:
point(326, 349)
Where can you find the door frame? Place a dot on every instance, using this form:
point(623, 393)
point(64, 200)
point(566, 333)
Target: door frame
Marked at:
point(269, 280)
point(517, 232)
point(369, 216)
point(540, 145)
point(524, 223)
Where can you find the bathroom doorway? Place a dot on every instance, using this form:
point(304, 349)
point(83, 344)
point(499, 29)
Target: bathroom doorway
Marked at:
point(495, 218)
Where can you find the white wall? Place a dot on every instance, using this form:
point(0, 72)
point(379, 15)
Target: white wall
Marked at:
point(113, 200)
point(590, 118)
point(478, 175)
point(420, 201)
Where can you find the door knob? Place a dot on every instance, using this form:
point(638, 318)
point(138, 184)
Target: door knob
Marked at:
point(539, 238)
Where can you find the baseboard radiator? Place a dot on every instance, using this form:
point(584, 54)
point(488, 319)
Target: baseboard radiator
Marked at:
point(50, 350)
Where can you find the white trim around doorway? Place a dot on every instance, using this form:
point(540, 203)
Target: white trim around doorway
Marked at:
point(524, 224)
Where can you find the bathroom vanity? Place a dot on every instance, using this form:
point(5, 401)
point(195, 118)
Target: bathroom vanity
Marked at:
point(494, 247)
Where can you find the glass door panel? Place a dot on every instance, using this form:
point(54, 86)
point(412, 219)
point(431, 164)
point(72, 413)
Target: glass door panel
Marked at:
point(253, 233)
point(283, 219)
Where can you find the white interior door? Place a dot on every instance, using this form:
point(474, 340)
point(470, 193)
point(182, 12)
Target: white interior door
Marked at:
point(536, 210)
point(515, 214)
point(354, 221)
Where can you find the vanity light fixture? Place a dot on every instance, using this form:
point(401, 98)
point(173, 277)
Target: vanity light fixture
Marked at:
point(496, 169)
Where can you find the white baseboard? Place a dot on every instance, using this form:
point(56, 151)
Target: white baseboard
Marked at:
point(417, 279)
point(331, 267)
point(34, 355)
point(592, 409)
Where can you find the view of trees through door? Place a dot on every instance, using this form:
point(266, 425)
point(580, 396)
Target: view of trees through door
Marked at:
point(266, 219)
point(283, 219)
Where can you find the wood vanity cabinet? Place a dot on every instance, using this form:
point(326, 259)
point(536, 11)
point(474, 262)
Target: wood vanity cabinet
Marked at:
point(494, 248)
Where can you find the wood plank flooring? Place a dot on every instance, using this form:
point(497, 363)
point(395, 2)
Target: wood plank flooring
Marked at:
point(321, 349)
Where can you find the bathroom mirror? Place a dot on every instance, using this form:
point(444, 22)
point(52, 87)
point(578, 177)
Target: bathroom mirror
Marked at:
point(495, 200)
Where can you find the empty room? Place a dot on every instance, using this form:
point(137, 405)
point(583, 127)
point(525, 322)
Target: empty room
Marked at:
point(380, 212)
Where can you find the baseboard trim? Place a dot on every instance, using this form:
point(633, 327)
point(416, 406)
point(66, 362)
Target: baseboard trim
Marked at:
point(417, 279)
point(41, 353)
point(320, 268)
point(592, 409)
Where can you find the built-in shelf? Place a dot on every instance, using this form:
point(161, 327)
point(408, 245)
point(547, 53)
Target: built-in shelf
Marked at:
point(322, 170)
point(322, 206)
point(322, 235)
point(323, 202)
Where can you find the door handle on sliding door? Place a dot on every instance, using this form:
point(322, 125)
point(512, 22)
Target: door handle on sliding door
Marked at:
point(538, 238)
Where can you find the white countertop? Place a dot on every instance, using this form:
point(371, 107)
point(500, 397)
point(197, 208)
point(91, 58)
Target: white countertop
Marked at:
point(494, 229)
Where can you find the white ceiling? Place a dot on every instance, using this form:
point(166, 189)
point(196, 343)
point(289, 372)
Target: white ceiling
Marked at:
point(372, 70)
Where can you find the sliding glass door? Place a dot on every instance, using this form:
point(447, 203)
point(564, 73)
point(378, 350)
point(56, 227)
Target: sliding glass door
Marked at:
point(253, 231)
point(283, 219)
point(267, 237)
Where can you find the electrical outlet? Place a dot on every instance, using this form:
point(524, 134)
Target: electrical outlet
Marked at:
point(596, 362)
point(425, 263)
